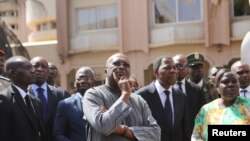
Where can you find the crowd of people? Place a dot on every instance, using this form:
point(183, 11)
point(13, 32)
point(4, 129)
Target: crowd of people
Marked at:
point(178, 105)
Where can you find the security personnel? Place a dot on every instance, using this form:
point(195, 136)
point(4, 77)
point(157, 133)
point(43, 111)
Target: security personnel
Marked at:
point(4, 82)
point(195, 64)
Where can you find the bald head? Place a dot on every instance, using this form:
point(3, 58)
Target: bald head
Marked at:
point(20, 71)
point(85, 79)
point(38, 58)
point(238, 64)
point(243, 70)
point(87, 70)
point(179, 57)
point(119, 55)
point(117, 66)
point(14, 62)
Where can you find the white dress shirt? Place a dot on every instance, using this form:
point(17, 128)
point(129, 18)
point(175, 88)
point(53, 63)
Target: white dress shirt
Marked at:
point(163, 96)
point(44, 86)
point(247, 94)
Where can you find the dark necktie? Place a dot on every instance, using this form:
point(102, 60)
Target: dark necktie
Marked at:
point(29, 106)
point(168, 110)
point(44, 103)
point(179, 84)
point(243, 91)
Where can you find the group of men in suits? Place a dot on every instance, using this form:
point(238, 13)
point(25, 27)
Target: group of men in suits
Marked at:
point(21, 113)
point(29, 102)
point(34, 113)
point(186, 97)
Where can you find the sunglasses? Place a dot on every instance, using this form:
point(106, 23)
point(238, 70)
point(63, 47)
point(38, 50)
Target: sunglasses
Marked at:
point(179, 65)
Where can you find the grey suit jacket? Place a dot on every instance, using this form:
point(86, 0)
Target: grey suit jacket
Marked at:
point(180, 131)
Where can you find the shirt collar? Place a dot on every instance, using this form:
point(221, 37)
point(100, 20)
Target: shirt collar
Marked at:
point(44, 86)
point(182, 81)
point(161, 89)
point(79, 95)
point(21, 91)
point(247, 88)
point(200, 83)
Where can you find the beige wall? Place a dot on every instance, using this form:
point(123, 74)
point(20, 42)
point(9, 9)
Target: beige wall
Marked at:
point(40, 10)
point(136, 36)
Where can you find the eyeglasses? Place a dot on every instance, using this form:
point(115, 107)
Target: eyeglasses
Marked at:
point(242, 72)
point(179, 65)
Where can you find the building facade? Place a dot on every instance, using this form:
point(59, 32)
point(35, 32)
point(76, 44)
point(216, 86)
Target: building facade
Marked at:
point(87, 32)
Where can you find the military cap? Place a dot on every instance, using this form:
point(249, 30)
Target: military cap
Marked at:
point(195, 58)
point(2, 53)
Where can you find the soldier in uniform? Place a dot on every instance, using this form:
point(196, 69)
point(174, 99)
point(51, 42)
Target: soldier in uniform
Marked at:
point(4, 82)
point(195, 64)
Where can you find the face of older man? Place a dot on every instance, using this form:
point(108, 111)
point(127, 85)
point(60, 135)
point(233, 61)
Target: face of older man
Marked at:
point(167, 72)
point(20, 70)
point(243, 71)
point(117, 66)
point(84, 80)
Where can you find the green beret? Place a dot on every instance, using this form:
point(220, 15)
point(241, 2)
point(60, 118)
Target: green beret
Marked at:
point(195, 59)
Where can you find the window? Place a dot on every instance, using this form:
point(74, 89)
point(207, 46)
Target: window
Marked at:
point(241, 8)
point(169, 11)
point(14, 26)
point(43, 26)
point(97, 17)
point(53, 25)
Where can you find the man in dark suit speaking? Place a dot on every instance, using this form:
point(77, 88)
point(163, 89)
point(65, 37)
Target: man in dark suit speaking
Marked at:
point(19, 120)
point(69, 124)
point(168, 104)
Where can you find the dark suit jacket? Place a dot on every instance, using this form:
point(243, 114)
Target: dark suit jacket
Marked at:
point(180, 130)
point(205, 89)
point(69, 124)
point(16, 123)
point(195, 100)
point(54, 96)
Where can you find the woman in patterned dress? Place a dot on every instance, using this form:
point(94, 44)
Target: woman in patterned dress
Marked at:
point(229, 109)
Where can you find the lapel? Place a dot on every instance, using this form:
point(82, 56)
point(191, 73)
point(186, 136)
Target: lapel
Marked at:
point(176, 102)
point(51, 100)
point(30, 91)
point(155, 97)
point(17, 96)
point(78, 104)
point(158, 107)
point(188, 88)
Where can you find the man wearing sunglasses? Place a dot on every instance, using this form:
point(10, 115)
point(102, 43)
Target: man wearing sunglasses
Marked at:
point(195, 98)
point(243, 70)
